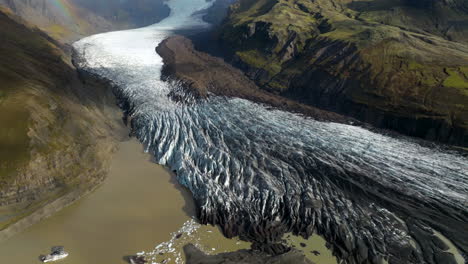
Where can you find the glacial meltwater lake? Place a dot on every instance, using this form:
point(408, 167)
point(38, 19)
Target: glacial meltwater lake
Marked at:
point(138, 207)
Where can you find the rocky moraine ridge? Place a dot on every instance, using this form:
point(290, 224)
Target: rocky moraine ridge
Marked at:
point(258, 172)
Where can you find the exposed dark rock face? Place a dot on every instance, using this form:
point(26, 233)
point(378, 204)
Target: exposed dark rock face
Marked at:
point(354, 96)
point(401, 65)
point(51, 120)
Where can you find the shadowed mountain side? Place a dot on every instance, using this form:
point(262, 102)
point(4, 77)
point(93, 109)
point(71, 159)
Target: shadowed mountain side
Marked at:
point(66, 22)
point(70, 20)
point(216, 13)
point(136, 13)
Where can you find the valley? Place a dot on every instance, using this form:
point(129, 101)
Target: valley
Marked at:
point(249, 131)
point(259, 172)
point(116, 221)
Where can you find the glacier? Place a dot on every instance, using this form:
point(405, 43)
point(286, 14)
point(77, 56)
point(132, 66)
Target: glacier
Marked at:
point(258, 172)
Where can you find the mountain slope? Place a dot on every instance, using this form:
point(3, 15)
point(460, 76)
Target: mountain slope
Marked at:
point(136, 13)
point(70, 20)
point(62, 20)
point(398, 64)
point(56, 134)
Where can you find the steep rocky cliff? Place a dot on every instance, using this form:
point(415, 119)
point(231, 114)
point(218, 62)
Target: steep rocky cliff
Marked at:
point(259, 172)
point(56, 134)
point(216, 13)
point(398, 64)
point(70, 20)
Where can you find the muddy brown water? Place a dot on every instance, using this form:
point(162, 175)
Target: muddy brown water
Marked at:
point(138, 209)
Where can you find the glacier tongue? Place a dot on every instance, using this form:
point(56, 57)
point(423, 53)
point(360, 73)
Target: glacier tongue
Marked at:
point(259, 172)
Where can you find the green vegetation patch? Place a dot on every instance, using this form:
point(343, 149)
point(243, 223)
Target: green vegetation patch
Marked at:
point(14, 139)
point(257, 60)
point(456, 79)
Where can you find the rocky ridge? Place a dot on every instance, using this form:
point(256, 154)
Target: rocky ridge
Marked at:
point(203, 75)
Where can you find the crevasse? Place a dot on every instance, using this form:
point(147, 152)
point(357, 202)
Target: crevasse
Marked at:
point(259, 172)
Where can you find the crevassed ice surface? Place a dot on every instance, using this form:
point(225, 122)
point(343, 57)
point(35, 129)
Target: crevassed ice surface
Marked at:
point(375, 198)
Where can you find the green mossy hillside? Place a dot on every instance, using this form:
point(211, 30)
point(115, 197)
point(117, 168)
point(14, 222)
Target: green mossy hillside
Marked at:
point(400, 60)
